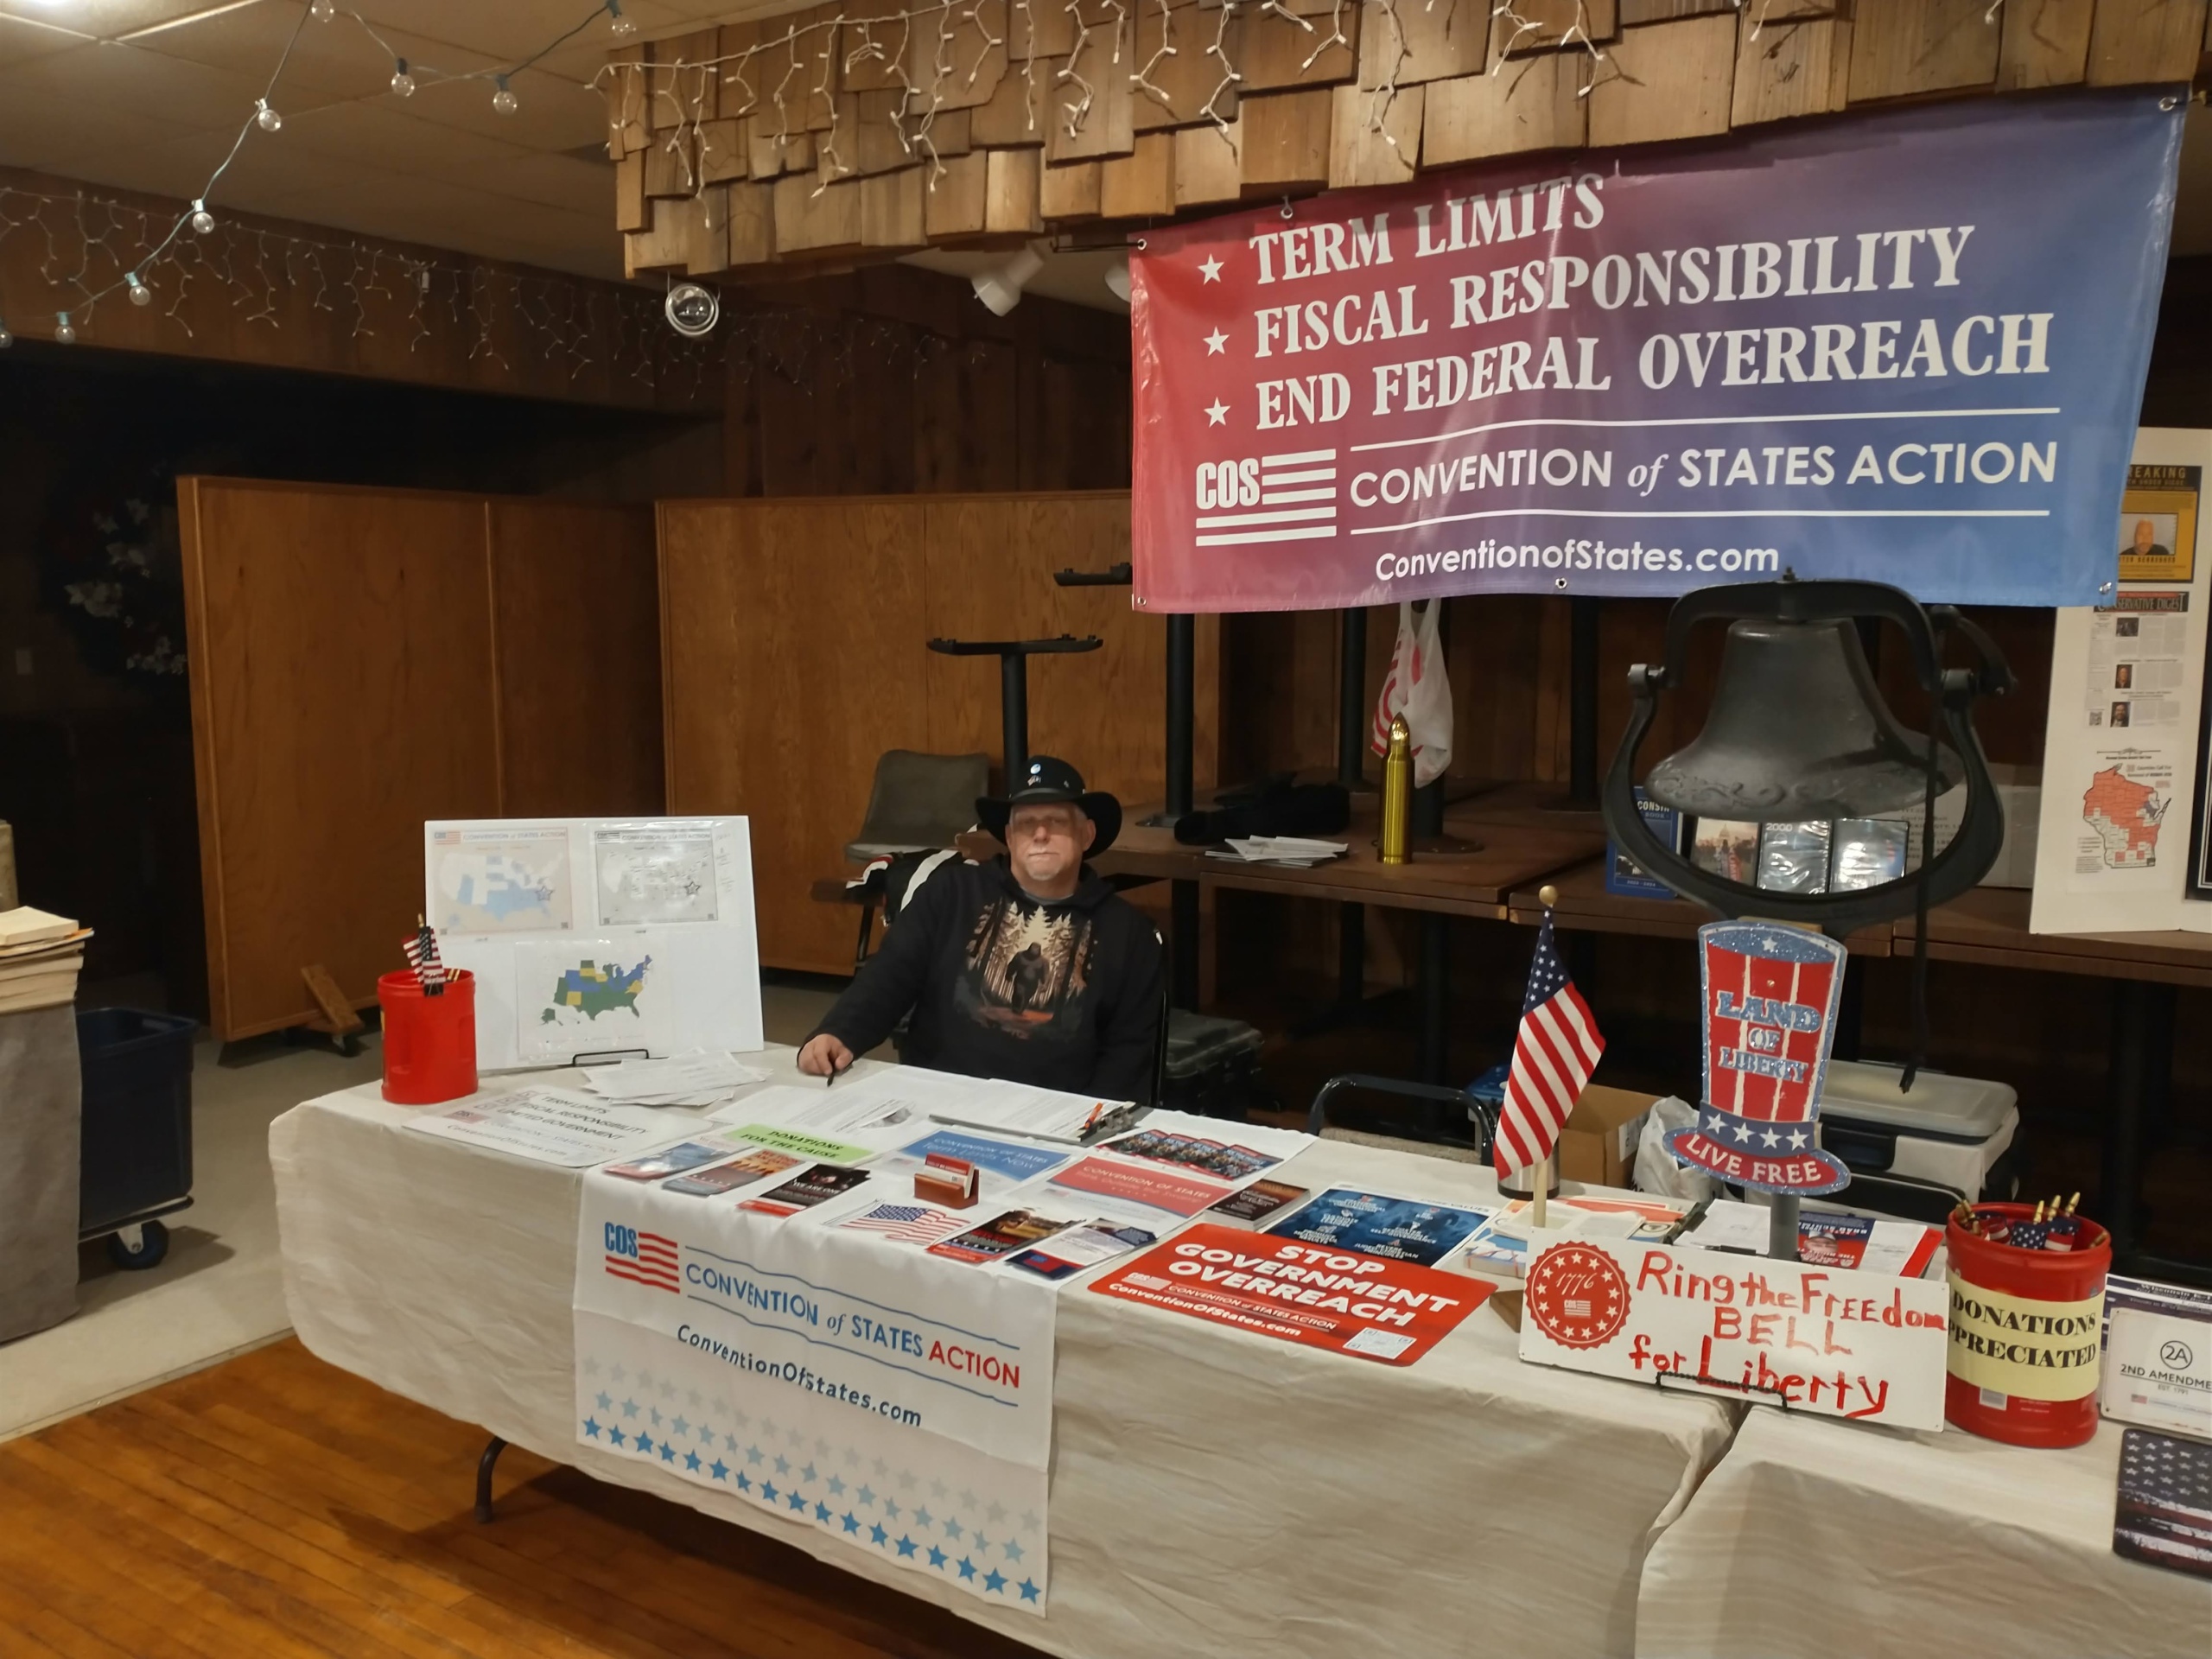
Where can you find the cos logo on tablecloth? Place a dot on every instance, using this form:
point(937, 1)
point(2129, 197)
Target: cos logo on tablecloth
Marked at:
point(642, 1258)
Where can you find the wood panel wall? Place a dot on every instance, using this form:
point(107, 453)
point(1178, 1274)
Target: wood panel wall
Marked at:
point(365, 659)
point(795, 654)
point(890, 379)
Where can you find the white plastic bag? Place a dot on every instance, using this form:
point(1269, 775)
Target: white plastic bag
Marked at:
point(1657, 1171)
point(1416, 687)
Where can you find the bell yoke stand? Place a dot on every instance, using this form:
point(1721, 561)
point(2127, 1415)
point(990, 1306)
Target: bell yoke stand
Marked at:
point(1799, 733)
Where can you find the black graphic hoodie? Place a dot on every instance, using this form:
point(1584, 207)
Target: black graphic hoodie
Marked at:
point(1062, 994)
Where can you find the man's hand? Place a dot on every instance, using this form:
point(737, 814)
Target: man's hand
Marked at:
point(824, 1055)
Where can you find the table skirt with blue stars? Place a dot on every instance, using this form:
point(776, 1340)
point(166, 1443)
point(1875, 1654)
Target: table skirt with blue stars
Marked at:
point(930, 1504)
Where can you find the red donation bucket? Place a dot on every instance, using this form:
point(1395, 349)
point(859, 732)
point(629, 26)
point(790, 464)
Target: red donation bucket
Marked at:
point(2025, 1338)
point(430, 1042)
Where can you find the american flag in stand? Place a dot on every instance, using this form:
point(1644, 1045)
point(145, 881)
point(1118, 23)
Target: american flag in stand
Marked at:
point(1554, 1054)
point(911, 1224)
point(422, 957)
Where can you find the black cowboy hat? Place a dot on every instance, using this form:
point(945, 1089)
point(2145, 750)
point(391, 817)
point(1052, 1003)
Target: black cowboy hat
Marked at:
point(1048, 778)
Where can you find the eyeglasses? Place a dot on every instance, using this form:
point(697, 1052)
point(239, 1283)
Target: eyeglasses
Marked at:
point(1026, 826)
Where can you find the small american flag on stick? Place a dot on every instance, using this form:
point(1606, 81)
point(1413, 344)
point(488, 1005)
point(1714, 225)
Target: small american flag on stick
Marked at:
point(422, 957)
point(911, 1224)
point(1554, 1054)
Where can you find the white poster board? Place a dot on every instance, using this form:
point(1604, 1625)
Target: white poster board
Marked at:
point(1834, 1341)
point(2126, 696)
point(597, 937)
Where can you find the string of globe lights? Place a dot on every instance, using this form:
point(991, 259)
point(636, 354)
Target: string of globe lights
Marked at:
point(872, 42)
point(172, 252)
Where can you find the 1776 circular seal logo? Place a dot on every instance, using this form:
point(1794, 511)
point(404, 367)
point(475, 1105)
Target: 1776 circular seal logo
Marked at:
point(1578, 1296)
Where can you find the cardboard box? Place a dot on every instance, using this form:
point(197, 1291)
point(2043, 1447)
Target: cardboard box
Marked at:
point(1598, 1146)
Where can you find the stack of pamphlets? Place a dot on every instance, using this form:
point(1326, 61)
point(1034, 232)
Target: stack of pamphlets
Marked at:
point(40, 955)
point(1291, 852)
point(700, 1078)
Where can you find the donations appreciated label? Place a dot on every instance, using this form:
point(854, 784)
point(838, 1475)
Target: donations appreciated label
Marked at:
point(1351, 1303)
point(1909, 351)
point(1868, 1346)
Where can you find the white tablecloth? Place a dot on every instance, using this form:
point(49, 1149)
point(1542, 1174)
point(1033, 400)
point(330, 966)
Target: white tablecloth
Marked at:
point(1213, 1492)
point(1819, 1538)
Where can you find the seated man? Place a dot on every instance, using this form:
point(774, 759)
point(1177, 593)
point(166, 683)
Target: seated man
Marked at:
point(1028, 967)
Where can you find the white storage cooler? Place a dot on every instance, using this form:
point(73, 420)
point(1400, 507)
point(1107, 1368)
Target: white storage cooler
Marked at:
point(1915, 1155)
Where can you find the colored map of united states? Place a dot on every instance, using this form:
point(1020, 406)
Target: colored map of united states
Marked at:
point(594, 990)
point(2127, 815)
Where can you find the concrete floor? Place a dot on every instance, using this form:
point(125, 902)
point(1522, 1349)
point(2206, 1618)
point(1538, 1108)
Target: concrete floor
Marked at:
point(220, 1290)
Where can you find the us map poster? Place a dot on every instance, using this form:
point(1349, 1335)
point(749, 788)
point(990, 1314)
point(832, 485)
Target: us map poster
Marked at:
point(2122, 750)
point(1910, 349)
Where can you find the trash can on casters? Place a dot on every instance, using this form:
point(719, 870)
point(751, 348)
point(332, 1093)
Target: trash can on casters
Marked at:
point(138, 1135)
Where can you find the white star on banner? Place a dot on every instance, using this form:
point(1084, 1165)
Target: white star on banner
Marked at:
point(1217, 342)
point(1743, 1131)
point(1211, 269)
point(1797, 1139)
point(1770, 1139)
point(1217, 413)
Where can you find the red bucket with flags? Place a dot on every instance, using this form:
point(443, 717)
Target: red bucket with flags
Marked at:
point(2026, 1340)
point(430, 1042)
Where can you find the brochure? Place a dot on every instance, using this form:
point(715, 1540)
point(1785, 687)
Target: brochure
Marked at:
point(1397, 1229)
point(668, 1160)
point(756, 1166)
point(803, 1192)
point(1258, 1204)
point(998, 1238)
point(1070, 1252)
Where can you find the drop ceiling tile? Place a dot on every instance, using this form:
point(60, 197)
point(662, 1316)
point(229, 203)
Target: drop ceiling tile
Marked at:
point(338, 58)
point(108, 76)
point(22, 39)
point(560, 181)
point(552, 114)
point(508, 30)
point(448, 216)
point(392, 134)
point(175, 167)
point(51, 135)
point(105, 19)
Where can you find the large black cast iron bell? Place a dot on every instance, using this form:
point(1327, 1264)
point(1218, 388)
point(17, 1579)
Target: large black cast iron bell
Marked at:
point(1799, 733)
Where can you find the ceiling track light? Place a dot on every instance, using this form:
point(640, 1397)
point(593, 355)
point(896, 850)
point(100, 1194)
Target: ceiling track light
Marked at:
point(999, 288)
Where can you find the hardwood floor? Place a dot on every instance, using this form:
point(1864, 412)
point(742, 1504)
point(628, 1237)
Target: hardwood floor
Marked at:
point(274, 1505)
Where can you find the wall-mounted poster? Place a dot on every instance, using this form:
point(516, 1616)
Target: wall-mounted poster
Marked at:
point(2122, 755)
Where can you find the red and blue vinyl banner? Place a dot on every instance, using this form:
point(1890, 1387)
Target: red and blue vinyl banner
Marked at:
point(1907, 348)
point(1771, 996)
